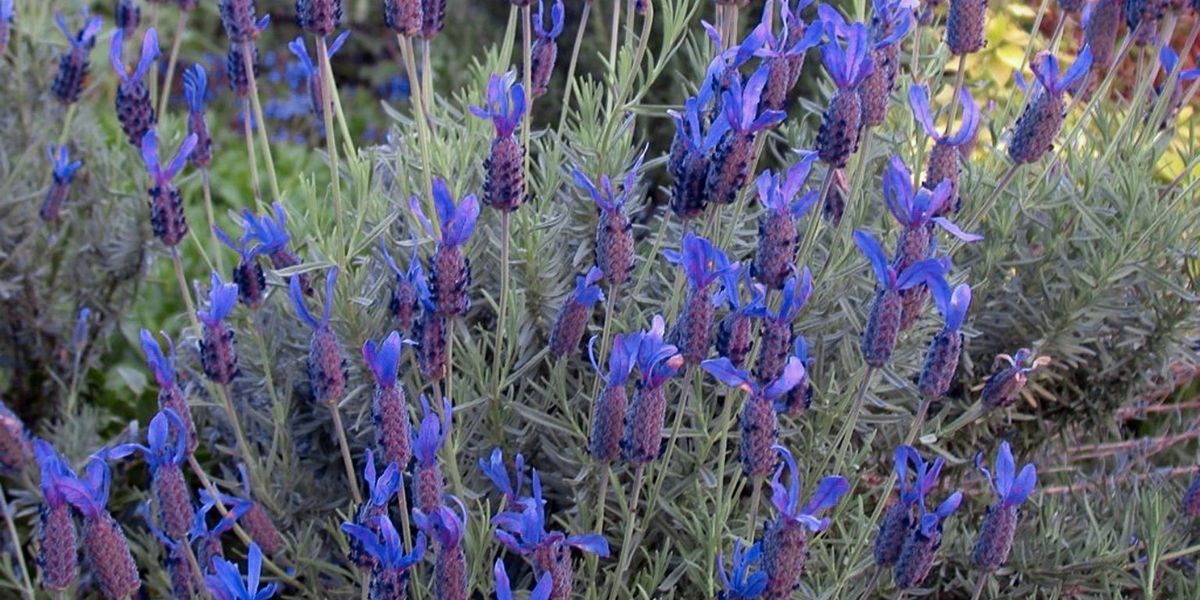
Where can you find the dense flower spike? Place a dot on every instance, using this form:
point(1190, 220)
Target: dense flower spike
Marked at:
point(504, 181)
point(56, 535)
point(777, 236)
point(739, 583)
point(405, 298)
point(167, 216)
point(1000, 524)
point(524, 532)
point(273, 239)
point(389, 407)
point(389, 577)
point(449, 268)
point(450, 563)
point(381, 488)
point(326, 363)
point(15, 447)
point(783, 53)
point(604, 443)
point(917, 211)
point(541, 591)
point(239, 17)
point(428, 481)
point(74, 65)
point(126, 16)
point(218, 355)
point(165, 457)
point(318, 17)
point(248, 275)
point(545, 46)
point(965, 26)
point(433, 18)
point(135, 111)
point(1043, 115)
point(695, 138)
point(195, 95)
point(943, 159)
point(226, 583)
point(735, 330)
point(312, 73)
point(891, 20)
point(942, 357)
point(614, 232)
point(62, 174)
point(729, 165)
point(104, 542)
point(235, 68)
point(703, 264)
point(497, 473)
point(8, 16)
point(1101, 22)
point(785, 544)
point(898, 521)
point(430, 333)
point(775, 341)
point(657, 362)
point(1189, 505)
point(184, 577)
point(252, 517)
point(883, 323)
point(1003, 386)
point(573, 317)
point(848, 67)
point(403, 16)
point(760, 425)
point(921, 546)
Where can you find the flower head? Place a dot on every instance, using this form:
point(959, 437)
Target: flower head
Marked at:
point(603, 196)
point(932, 521)
point(741, 104)
point(385, 546)
point(739, 582)
point(244, 246)
point(918, 99)
point(195, 88)
point(159, 449)
point(887, 276)
point(556, 20)
point(657, 361)
point(1046, 69)
point(952, 304)
point(63, 168)
point(86, 37)
point(891, 21)
point(916, 209)
point(455, 221)
point(525, 532)
point(150, 157)
point(383, 486)
point(505, 104)
point(226, 582)
point(150, 52)
point(795, 295)
point(702, 262)
point(787, 499)
point(722, 369)
point(729, 292)
point(850, 65)
point(222, 297)
point(296, 294)
point(1011, 488)
point(87, 493)
point(698, 136)
point(587, 292)
point(54, 471)
point(778, 191)
point(270, 233)
point(432, 431)
point(621, 357)
point(504, 587)
point(384, 358)
point(497, 473)
point(925, 476)
point(443, 523)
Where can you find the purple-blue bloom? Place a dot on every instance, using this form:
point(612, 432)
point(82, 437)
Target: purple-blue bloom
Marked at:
point(150, 52)
point(603, 195)
point(163, 177)
point(952, 304)
point(455, 221)
point(384, 358)
point(271, 233)
point(525, 533)
point(222, 297)
point(63, 167)
point(726, 373)
point(778, 191)
point(494, 469)
point(739, 583)
point(887, 276)
point(162, 365)
point(1011, 488)
point(850, 65)
point(1048, 72)
point(226, 582)
point(918, 99)
point(545, 584)
point(918, 209)
point(159, 450)
point(786, 499)
point(925, 476)
point(296, 295)
point(702, 262)
point(505, 104)
point(741, 104)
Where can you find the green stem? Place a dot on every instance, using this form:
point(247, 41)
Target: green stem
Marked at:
point(958, 82)
point(755, 500)
point(249, 135)
point(347, 461)
point(627, 545)
point(614, 34)
point(502, 314)
point(206, 183)
point(418, 104)
point(248, 62)
point(28, 591)
point(330, 142)
point(570, 84)
point(165, 96)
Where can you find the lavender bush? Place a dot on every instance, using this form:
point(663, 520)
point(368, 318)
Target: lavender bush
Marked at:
point(596, 226)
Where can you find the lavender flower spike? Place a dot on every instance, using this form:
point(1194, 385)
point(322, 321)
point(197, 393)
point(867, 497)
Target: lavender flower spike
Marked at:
point(449, 268)
point(848, 67)
point(545, 48)
point(883, 323)
point(318, 17)
point(891, 22)
point(314, 76)
point(389, 577)
point(702, 263)
point(942, 357)
point(427, 476)
point(943, 159)
point(573, 317)
point(104, 542)
point(777, 236)
point(63, 173)
point(920, 549)
point(405, 300)
point(1043, 115)
point(917, 211)
point(760, 424)
point(965, 26)
point(248, 275)
point(403, 16)
point(785, 544)
point(74, 65)
point(167, 217)
point(614, 232)
point(1003, 386)
point(541, 591)
point(389, 406)
point(326, 363)
point(604, 443)
point(688, 162)
point(127, 16)
point(657, 362)
point(739, 583)
point(775, 340)
point(1000, 524)
point(524, 533)
point(783, 53)
point(56, 529)
point(729, 165)
point(195, 95)
point(735, 330)
point(450, 564)
point(134, 109)
point(504, 184)
point(497, 473)
point(226, 583)
point(799, 399)
point(165, 457)
point(240, 22)
point(381, 488)
point(899, 520)
point(218, 354)
point(273, 239)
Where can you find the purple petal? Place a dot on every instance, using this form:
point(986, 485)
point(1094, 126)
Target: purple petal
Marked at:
point(874, 253)
point(1005, 470)
point(592, 542)
point(793, 373)
point(723, 369)
point(1023, 485)
point(898, 190)
point(918, 99)
point(1078, 70)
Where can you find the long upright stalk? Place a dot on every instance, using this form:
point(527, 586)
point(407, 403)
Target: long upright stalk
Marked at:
point(958, 82)
point(344, 446)
point(330, 142)
point(261, 124)
point(626, 546)
point(27, 591)
point(255, 188)
point(569, 86)
point(502, 313)
point(417, 100)
point(206, 182)
point(165, 96)
point(614, 35)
